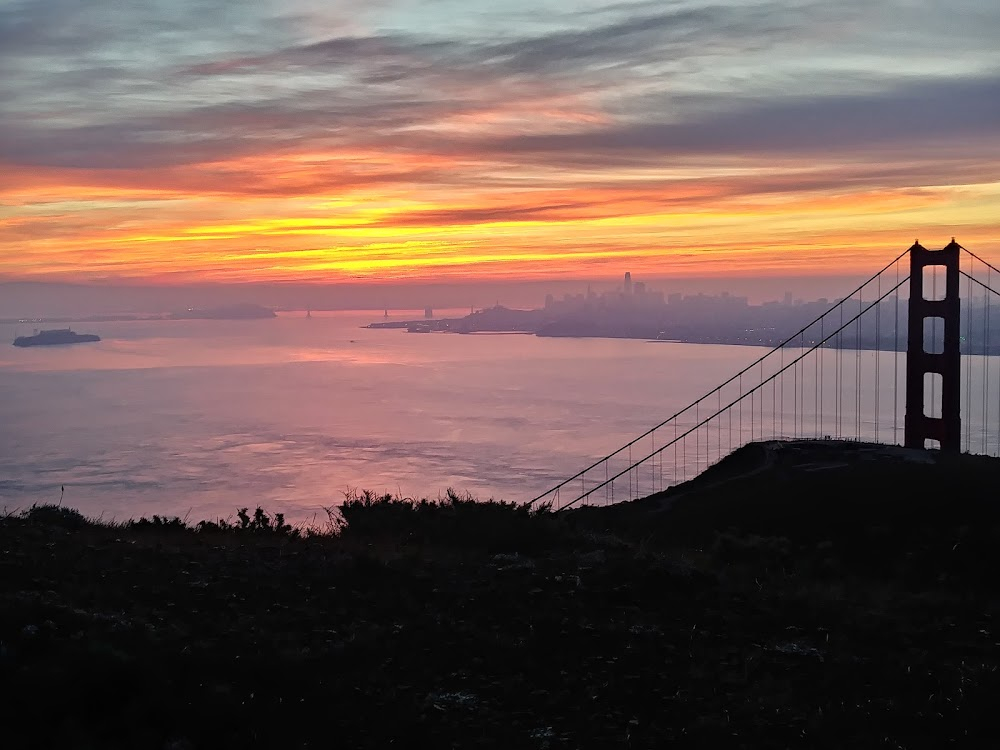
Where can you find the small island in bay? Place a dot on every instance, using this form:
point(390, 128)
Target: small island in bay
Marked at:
point(55, 337)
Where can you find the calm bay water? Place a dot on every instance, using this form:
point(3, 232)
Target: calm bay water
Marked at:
point(199, 418)
point(202, 417)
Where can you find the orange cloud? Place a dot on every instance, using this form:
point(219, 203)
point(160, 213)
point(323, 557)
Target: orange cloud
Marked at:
point(488, 174)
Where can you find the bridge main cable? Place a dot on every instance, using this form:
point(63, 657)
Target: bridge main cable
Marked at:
point(984, 262)
point(972, 278)
point(718, 388)
point(733, 403)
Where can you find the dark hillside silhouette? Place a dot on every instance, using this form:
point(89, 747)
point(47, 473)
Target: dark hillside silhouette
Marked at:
point(798, 595)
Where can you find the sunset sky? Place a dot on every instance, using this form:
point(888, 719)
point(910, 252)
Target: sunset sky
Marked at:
point(179, 141)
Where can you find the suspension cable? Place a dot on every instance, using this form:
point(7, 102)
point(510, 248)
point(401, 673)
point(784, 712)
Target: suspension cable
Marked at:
point(717, 388)
point(749, 394)
point(977, 281)
point(984, 262)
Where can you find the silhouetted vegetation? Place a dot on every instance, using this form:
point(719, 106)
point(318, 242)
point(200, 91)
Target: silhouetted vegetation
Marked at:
point(456, 521)
point(259, 523)
point(56, 516)
point(754, 607)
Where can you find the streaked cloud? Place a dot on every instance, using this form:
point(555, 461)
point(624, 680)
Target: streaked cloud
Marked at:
point(155, 139)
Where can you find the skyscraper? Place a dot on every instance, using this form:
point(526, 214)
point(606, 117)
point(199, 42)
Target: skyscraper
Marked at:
point(628, 283)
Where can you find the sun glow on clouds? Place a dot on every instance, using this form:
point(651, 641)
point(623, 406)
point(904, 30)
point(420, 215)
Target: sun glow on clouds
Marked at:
point(434, 140)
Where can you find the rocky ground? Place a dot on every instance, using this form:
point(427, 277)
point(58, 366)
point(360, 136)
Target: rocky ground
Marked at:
point(758, 607)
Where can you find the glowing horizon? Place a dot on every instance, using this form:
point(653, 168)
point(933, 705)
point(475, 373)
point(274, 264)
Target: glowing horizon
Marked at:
point(194, 142)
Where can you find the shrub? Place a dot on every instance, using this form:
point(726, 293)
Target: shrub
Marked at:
point(158, 523)
point(453, 521)
point(258, 523)
point(57, 516)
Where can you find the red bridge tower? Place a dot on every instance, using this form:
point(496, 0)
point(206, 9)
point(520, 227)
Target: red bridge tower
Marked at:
point(919, 427)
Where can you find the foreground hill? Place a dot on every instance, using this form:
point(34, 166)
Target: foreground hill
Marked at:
point(874, 501)
point(796, 595)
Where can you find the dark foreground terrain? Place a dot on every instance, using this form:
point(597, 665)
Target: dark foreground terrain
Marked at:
point(796, 595)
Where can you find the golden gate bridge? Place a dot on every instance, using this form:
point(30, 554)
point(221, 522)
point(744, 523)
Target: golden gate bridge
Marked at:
point(904, 359)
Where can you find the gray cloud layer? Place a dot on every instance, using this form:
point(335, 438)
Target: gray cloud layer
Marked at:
point(163, 84)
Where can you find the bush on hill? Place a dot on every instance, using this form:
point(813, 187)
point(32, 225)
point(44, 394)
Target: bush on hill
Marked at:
point(454, 520)
point(56, 516)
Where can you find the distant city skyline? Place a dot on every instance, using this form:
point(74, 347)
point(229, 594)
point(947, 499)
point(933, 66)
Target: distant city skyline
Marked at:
point(650, 297)
point(57, 299)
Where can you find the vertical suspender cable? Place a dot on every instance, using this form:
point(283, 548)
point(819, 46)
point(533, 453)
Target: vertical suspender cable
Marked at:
point(697, 420)
point(822, 394)
point(795, 400)
point(840, 372)
point(816, 356)
point(802, 394)
point(894, 391)
point(782, 407)
point(652, 469)
point(857, 369)
point(878, 352)
point(986, 359)
point(774, 408)
point(761, 388)
point(729, 444)
point(968, 360)
point(998, 407)
point(673, 479)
